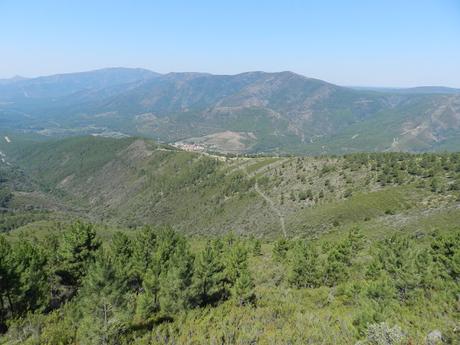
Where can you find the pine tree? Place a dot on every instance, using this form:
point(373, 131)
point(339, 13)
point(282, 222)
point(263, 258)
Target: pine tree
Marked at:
point(237, 277)
point(76, 252)
point(148, 301)
point(208, 277)
point(337, 264)
point(168, 243)
point(121, 247)
point(102, 302)
point(243, 289)
point(30, 268)
point(410, 269)
point(9, 281)
point(304, 266)
point(446, 254)
point(176, 280)
point(121, 250)
point(144, 247)
point(235, 262)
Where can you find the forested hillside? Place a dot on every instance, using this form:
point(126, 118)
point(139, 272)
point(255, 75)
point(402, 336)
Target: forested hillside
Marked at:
point(153, 286)
point(127, 241)
point(257, 111)
point(133, 182)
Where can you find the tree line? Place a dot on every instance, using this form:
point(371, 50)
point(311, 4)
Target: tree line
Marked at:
point(129, 283)
point(390, 273)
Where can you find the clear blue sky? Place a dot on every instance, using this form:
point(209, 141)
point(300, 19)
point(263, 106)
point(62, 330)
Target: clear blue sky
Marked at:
point(362, 42)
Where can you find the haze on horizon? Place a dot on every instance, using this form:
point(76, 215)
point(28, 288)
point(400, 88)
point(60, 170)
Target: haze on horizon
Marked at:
point(359, 43)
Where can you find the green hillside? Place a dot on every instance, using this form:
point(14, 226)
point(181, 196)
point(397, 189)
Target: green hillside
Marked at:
point(127, 241)
point(133, 182)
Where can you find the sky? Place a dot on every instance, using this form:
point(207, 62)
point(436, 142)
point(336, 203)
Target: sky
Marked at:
point(389, 43)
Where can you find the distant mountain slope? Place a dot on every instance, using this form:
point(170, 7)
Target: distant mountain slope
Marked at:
point(64, 84)
point(264, 112)
point(12, 80)
point(413, 90)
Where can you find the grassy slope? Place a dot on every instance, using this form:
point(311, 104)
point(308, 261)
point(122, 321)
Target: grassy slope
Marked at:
point(131, 182)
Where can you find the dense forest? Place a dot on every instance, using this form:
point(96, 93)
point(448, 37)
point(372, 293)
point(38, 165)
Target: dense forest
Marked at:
point(107, 241)
point(156, 287)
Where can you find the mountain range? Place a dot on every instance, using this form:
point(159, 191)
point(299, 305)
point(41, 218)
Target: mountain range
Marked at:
point(250, 112)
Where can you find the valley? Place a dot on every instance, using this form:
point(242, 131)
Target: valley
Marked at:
point(132, 182)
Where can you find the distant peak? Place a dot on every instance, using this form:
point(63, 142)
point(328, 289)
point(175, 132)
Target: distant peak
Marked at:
point(17, 77)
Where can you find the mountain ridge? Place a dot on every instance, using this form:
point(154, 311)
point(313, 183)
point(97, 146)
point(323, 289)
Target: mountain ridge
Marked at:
point(280, 112)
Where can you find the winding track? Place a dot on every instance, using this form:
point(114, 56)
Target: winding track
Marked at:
point(262, 194)
point(273, 207)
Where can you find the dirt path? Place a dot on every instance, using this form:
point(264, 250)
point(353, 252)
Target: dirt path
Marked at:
point(273, 207)
point(269, 201)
